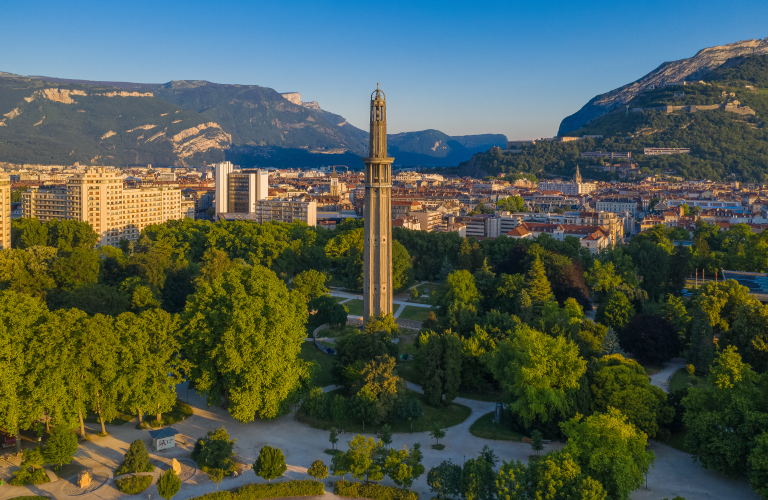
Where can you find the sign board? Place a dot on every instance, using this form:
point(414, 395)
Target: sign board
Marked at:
point(164, 443)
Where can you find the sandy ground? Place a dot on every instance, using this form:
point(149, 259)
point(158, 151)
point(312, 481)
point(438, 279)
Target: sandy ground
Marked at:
point(675, 472)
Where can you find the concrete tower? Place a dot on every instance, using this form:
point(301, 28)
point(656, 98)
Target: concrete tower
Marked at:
point(377, 274)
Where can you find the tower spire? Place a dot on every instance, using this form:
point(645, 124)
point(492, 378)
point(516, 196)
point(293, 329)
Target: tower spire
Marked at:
point(377, 274)
point(577, 176)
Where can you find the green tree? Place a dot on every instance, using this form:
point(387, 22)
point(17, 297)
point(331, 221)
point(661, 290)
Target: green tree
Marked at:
point(215, 262)
point(243, 335)
point(310, 284)
point(379, 375)
point(103, 375)
point(360, 457)
point(338, 409)
point(364, 405)
point(386, 435)
point(446, 268)
point(61, 446)
point(340, 465)
point(536, 284)
point(28, 232)
point(444, 479)
point(217, 476)
point(702, 349)
point(675, 312)
point(270, 463)
point(214, 451)
point(76, 268)
point(169, 484)
point(402, 272)
point(615, 311)
point(610, 450)
point(21, 318)
point(136, 459)
point(724, 421)
point(439, 360)
point(758, 465)
point(749, 334)
point(556, 475)
point(410, 409)
point(602, 278)
point(720, 301)
point(478, 481)
point(318, 470)
point(536, 441)
point(623, 384)
point(511, 204)
point(333, 437)
point(151, 360)
point(437, 433)
point(537, 374)
point(458, 301)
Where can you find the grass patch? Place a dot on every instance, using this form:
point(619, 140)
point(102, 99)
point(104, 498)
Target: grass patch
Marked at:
point(333, 453)
point(681, 380)
point(426, 298)
point(311, 353)
point(68, 470)
point(31, 497)
point(446, 416)
point(284, 489)
point(338, 332)
point(486, 429)
point(438, 446)
point(340, 299)
point(355, 307)
point(415, 313)
point(133, 485)
point(490, 397)
point(372, 491)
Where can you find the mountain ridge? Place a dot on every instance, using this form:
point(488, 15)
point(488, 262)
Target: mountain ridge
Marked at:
point(255, 124)
point(688, 69)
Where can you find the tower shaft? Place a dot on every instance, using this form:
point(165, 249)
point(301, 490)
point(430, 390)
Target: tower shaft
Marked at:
point(377, 273)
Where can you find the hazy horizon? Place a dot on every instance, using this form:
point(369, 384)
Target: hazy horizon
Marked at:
point(502, 68)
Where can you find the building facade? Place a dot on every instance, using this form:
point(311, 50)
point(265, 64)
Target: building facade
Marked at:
point(99, 198)
point(5, 212)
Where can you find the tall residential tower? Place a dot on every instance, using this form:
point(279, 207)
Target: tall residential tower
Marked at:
point(377, 274)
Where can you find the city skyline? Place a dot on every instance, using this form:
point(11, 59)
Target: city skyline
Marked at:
point(512, 69)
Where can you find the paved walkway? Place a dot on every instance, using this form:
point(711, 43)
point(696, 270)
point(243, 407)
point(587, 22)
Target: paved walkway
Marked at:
point(675, 472)
point(662, 378)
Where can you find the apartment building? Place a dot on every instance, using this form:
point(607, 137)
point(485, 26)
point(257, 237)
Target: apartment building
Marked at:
point(244, 195)
point(665, 151)
point(98, 197)
point(616, 205)
point(429, 220)
point(484, 225)
point(5, 212)
point(600, 154)
point(611, 222)
point(594, 238)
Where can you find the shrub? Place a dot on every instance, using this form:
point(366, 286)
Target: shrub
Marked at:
point(136, 459)
point(169, 484)
point(373, 491)
point(258, 491)
point(29, 476)
point(133, 485)
point(214, 451)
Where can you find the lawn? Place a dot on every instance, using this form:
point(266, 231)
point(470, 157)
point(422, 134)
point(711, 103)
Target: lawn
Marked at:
point(355, 307)
point(415, 313)
point(681, 380)
point(486, 429)
point(426, 298)
point(122, 418)
point(445, 416)
point(340, 299)
point(311, 353)
point(337, 332)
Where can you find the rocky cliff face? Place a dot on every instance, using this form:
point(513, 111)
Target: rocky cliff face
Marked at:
point(691, 69)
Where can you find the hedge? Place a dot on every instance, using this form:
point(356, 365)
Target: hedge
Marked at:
point(293, 488)
point(373, 491)
point(134, 485)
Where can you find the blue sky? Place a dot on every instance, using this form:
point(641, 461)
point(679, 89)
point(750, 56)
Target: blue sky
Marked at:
point(515, 68)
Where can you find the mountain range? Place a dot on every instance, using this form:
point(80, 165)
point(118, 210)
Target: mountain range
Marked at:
point(58, 121)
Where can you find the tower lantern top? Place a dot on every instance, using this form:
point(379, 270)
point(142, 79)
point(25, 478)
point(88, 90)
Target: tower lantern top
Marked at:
point(377, 147)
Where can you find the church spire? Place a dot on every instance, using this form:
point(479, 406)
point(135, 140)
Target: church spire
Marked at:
point(577, 176)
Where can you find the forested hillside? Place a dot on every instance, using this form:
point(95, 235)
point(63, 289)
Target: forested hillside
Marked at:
point(722, 144)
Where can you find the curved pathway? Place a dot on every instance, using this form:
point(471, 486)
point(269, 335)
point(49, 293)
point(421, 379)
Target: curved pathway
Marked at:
point(662, 378)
